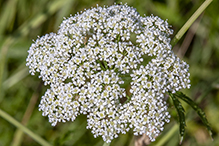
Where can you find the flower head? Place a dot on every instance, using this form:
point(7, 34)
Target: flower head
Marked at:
point(111, 64)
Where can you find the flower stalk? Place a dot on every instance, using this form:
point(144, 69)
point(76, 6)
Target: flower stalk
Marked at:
point(186, 26)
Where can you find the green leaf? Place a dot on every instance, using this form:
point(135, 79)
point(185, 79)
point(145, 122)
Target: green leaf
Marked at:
point(181, 113)
point(199, 111)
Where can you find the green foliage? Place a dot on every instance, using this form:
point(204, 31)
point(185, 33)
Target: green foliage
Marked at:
point(181, 114)
point(198, 110)
point(22, 20)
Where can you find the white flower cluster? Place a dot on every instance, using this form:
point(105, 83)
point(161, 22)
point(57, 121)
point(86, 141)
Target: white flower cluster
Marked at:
point(93, 55)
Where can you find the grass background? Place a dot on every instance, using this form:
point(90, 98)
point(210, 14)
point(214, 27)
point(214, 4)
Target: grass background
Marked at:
point(21, 21)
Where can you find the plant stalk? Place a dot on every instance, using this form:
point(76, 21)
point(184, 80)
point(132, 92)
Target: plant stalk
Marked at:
point(186, 26)
point(106, 144)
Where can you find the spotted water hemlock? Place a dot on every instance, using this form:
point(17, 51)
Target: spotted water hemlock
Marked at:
point(113, 65)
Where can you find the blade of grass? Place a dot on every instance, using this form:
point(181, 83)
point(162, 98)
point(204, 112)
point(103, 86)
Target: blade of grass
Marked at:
point(36, 137)
point(40, 18)
point(8, 15)
point(80, 133)
point(64, 12)
point(18, 136)
point(18, 76)
point(3, 54)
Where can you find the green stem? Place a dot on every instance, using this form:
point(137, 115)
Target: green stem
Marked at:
point(167, 136)
point(106, 144)
point(23, 128)
point(105, 65)
point(186, 26)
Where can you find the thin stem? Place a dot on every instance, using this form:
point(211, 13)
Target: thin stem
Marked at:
point(23, 128)
point(167, 136)
point(106, 144)
point(186, 26)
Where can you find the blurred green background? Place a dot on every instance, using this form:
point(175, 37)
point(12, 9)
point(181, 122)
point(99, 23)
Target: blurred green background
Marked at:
point(21, 21)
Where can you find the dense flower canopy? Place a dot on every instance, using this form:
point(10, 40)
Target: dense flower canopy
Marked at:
point(113, 65)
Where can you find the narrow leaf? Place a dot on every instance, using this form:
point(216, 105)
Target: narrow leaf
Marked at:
point(181, 113)
point(199, 111)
